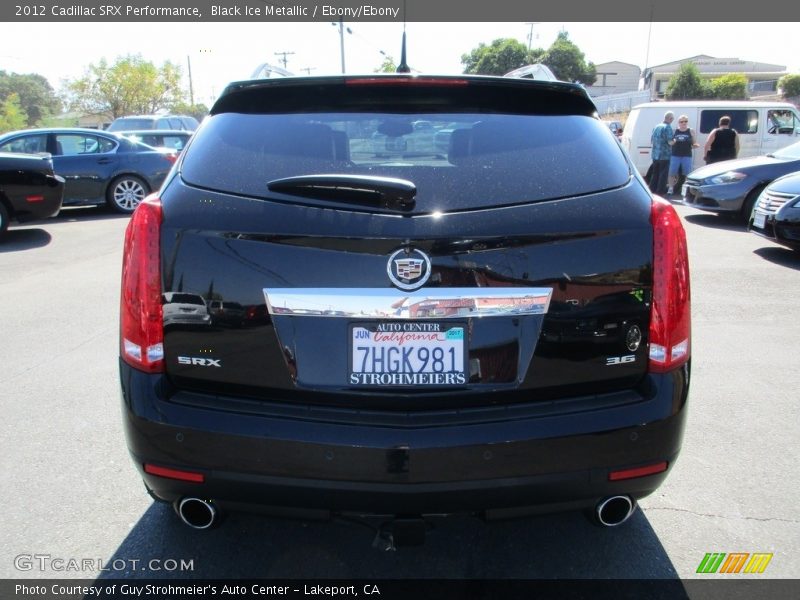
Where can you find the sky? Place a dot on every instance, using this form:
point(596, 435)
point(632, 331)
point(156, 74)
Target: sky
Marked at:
point(222, 52)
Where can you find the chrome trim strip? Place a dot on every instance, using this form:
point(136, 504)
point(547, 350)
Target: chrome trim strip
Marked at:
point(390, 303)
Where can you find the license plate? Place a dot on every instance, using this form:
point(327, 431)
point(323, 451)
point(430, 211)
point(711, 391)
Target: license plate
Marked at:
point(416, 353)
point(759, 220)
point(684, 189)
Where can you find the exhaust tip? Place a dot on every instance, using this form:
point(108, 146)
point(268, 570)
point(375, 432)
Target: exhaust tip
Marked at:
point(197, 513)
point(615, 510)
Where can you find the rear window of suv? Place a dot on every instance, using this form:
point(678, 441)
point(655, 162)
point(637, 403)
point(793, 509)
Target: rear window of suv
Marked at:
point(131, 123)
point(167, 122)
point(457, 160)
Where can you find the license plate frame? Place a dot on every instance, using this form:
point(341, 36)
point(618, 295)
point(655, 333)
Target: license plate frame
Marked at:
point(411, 342)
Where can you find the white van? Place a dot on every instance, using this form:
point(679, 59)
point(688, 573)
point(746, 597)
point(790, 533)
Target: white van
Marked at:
point(763, 126)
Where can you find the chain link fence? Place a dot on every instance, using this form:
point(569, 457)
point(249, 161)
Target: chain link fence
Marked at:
point(620, 103)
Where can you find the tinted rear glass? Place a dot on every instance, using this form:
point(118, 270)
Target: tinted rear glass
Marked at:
point(131, 123)
point(456, 160)
point(743, 121)
point(178, 298)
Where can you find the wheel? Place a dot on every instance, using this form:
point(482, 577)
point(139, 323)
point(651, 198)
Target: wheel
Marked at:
point(750, 202)
point(125, 193)
point(4, 218)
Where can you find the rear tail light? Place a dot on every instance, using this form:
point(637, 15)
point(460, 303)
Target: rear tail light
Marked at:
point(172, 157)
point(670, 324)
point(141, 317)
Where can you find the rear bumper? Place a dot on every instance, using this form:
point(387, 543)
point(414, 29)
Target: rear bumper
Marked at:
point(314, 466)
point(48, 205)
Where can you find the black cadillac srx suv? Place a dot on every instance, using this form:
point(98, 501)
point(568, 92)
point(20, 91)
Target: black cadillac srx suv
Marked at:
point(493, 320)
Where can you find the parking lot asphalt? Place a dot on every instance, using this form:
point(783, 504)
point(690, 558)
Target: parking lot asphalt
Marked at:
point(70, 490)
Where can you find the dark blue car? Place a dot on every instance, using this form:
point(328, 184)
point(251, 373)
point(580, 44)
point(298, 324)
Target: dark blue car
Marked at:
point(733, 186)
point(98, 167)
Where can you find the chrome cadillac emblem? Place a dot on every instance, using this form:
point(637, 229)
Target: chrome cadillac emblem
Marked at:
point(409, 268)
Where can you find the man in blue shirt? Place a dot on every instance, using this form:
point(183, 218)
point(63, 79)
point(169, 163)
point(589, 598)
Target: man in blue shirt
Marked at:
point(661, 153)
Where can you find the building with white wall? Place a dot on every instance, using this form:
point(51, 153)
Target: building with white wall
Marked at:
point(762, 77)
point(615, 77)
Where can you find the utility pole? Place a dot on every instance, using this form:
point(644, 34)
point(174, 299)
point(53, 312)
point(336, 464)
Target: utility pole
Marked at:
point(308, 70)
point(530, 35)
point(341, 42)
point(649, 33)
point(342, 29)
point(191, 87)
point(283, 60)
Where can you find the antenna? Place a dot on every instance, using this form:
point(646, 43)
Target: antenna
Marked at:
point(403, 66)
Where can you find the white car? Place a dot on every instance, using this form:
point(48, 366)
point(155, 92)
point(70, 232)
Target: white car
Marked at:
point(181, 308)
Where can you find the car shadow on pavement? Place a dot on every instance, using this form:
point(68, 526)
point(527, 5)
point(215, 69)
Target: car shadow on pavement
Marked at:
point(726, 222)
point(17, 240)
point(86, 213)
point(560, 546)
point(780, 256)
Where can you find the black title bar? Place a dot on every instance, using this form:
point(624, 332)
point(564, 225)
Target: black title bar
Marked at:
point(275, 11)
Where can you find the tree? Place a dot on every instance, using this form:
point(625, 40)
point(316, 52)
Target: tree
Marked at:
point(12, 115)
point(197, 110)
point(34, 94)
point(567, 62)
point(131, 85)
point(730, 87)
point(686, 84)
point(789, 85)
point(66, 120)
point(387, 66)
point(502, 56)
point(564, 58)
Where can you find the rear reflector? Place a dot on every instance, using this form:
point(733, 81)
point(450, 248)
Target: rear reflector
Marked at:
point(638, 472)
point(34, 198)
point(670, 323)
point(174, 473)
point(141, 316)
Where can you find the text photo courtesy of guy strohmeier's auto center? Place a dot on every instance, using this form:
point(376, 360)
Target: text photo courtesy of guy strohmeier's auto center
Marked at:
point(331, 299)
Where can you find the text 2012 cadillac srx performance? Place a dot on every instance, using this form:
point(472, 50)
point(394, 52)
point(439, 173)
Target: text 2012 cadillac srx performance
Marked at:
point(498, 329)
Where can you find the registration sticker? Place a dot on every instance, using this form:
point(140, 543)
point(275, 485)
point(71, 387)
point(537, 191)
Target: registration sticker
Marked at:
point(409, 353)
